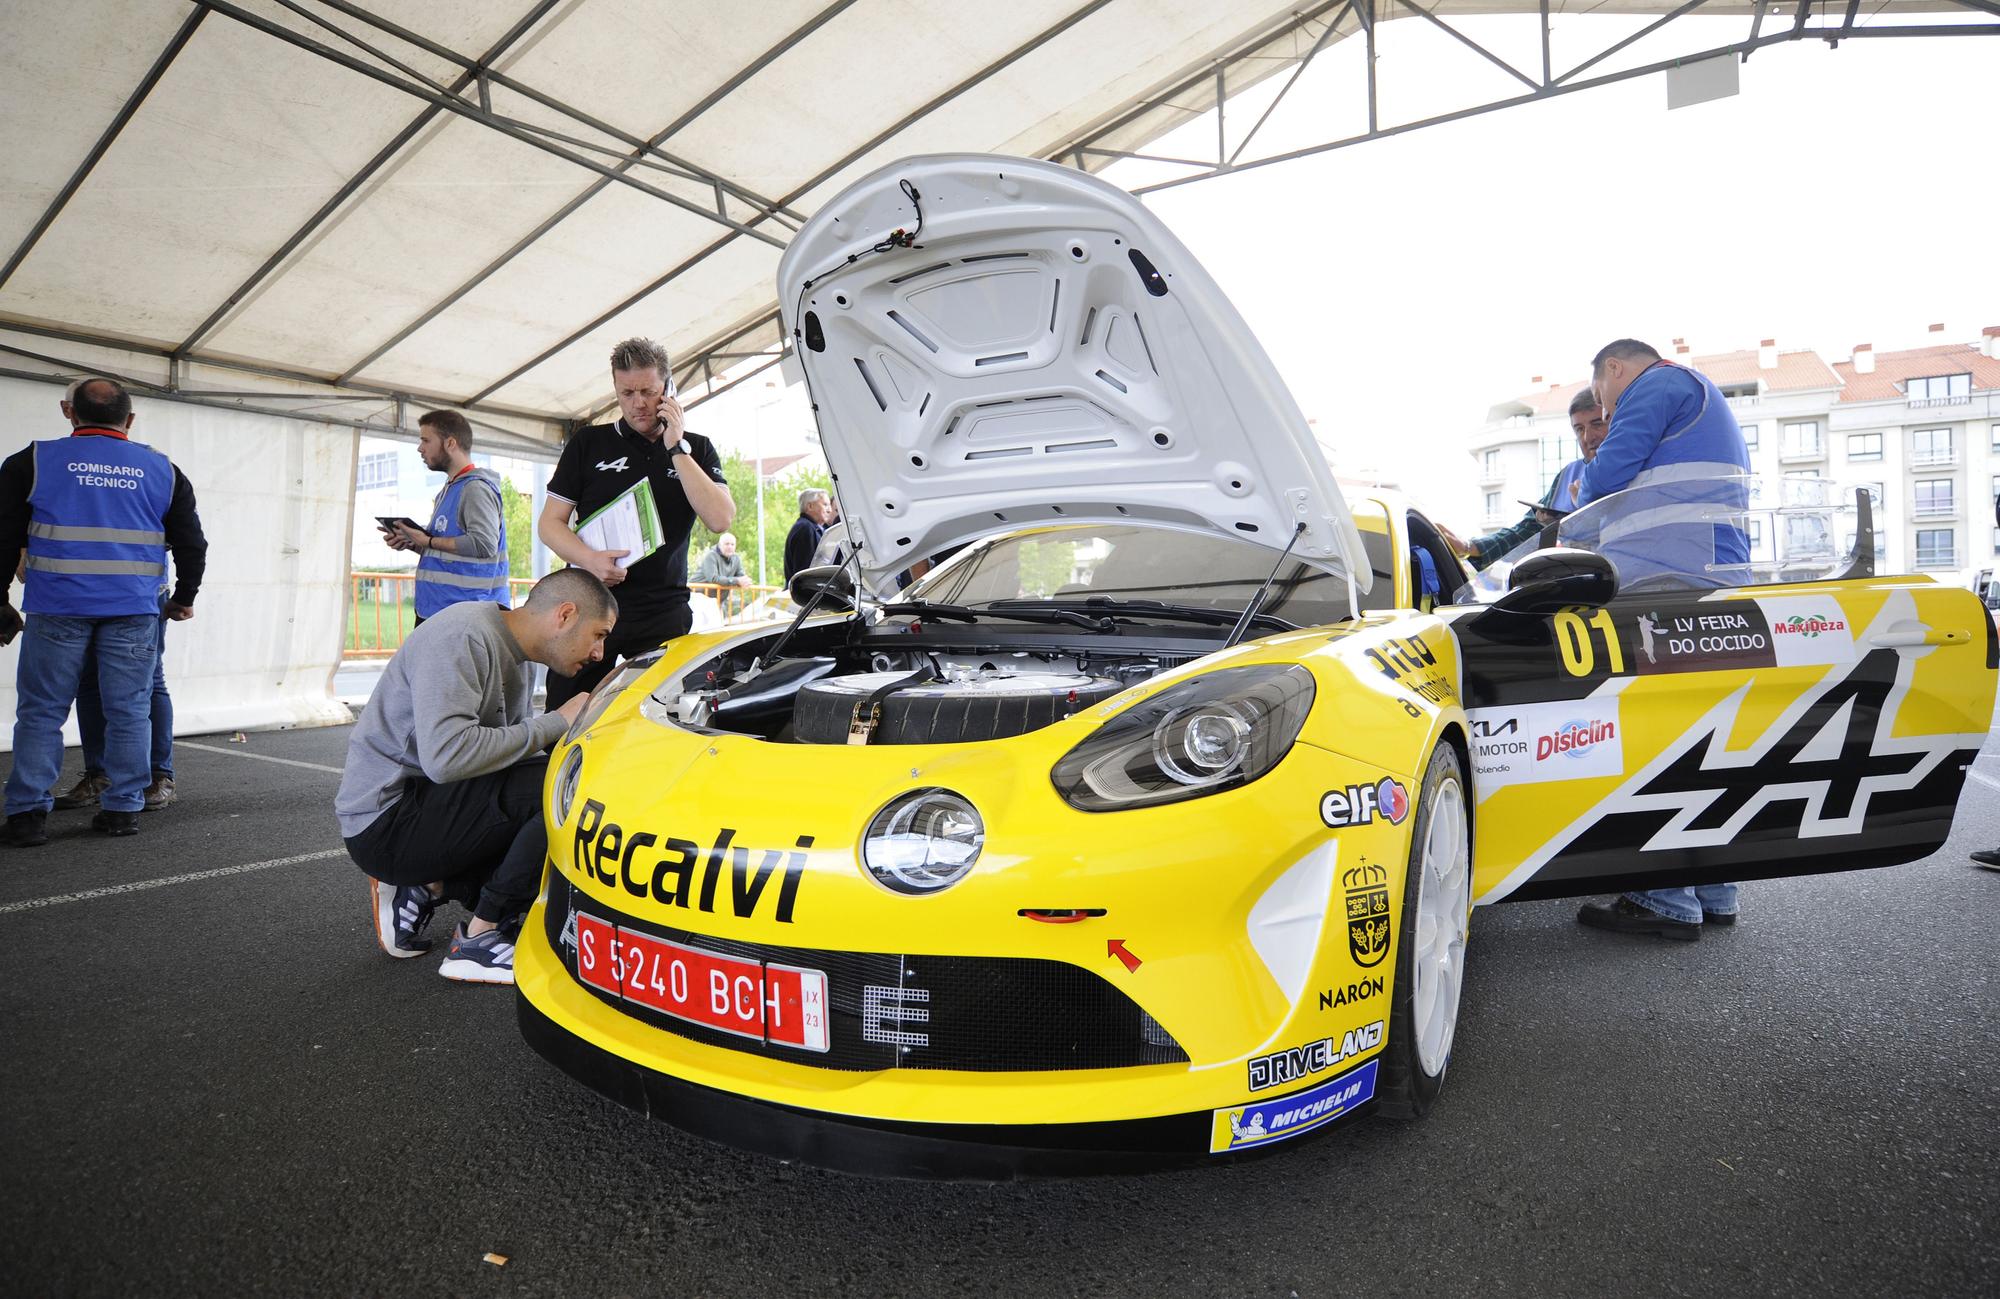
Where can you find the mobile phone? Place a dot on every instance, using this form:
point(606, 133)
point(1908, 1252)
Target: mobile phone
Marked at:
point(388, 522)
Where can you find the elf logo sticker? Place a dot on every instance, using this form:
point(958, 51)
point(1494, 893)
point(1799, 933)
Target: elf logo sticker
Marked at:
point(1358, 804)
point(617, 465)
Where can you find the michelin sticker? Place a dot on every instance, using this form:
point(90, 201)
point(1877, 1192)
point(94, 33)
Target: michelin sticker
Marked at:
point(1806, 631)
point(1243, 1126)
point(1532, 743)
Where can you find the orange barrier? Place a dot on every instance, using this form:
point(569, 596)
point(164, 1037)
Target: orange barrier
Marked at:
point(382, 607)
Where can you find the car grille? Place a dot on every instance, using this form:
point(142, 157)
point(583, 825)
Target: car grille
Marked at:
point(999, 1014)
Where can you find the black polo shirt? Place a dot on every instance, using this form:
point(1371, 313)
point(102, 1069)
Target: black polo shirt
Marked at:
point(603, 460)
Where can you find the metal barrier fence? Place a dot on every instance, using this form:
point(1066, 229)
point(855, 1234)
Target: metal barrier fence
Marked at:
point(382, 607)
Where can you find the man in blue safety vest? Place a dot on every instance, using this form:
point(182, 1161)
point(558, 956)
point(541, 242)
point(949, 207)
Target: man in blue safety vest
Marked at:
point(463, 553)
point(1675, 449)
point(96, 513)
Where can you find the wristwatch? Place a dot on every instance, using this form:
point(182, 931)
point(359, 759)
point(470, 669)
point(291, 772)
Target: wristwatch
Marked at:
point(682, 448)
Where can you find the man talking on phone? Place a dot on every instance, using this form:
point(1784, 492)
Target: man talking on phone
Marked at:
point(647, 442)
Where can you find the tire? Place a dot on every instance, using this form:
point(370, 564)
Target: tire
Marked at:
point(1430, 942)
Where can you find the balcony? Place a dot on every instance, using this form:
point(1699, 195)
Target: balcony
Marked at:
point(1744, 402)
point(1941, 458)
point(1801, 454)
point(1927, 403)
point(1937, 559)
point(1934, 510)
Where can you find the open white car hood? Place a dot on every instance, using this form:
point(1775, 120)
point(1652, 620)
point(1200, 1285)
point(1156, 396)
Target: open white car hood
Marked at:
point(1046, 352)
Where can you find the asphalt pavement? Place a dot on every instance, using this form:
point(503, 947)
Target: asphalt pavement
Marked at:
point(212, 1082)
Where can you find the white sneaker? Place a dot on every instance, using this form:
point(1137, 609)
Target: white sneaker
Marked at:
point(479, 958)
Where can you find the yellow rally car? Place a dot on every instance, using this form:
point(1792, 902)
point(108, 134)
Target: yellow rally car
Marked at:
point(1143, 827)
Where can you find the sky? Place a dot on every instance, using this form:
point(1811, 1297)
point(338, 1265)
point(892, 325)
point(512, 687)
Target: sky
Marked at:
point(1404, 286)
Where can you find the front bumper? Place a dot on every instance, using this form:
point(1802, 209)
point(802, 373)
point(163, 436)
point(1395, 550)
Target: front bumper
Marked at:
point(872, 1147)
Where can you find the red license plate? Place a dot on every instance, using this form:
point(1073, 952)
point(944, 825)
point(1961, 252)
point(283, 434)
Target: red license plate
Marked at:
point(775, 1003)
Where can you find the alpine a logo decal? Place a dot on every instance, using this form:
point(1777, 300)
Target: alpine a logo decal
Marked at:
point(617, 465)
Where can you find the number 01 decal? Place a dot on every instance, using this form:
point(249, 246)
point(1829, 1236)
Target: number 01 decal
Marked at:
point(1578, 649)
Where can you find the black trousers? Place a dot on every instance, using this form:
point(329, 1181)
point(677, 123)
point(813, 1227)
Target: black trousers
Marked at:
point(483, 838)
point(642, 634)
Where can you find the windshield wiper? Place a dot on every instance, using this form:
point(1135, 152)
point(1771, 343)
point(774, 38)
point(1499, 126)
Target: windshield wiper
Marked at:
point(965, 613)
point(1149, 609)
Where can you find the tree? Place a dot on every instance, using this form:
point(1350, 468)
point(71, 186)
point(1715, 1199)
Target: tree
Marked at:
point(520, 521)
point(781, 509)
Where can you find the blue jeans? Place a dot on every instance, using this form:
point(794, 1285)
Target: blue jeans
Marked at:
point(90, 713)
point(1688, 904)
point(53, 648)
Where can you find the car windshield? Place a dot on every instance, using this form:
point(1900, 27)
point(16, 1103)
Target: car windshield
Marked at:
point(1700, 533)
point(1133, 562)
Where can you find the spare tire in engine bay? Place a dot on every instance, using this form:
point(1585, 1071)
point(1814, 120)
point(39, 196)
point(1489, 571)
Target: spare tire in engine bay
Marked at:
point(907, 708)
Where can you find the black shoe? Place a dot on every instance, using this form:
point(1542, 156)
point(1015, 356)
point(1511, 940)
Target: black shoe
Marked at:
point(1723, 918)
point(26, 830)
point(1989, 858)
point(1624, 916)
point(116, 824)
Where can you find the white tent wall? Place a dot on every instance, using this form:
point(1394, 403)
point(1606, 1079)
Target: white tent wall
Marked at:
point(275, 497)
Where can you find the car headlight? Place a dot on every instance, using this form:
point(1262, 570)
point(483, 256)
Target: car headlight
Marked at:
point(1214, 732)
point(607, 690)
point(565, 789)
point(923, 841)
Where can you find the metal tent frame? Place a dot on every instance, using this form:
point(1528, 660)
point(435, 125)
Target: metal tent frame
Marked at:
point(1287, 46)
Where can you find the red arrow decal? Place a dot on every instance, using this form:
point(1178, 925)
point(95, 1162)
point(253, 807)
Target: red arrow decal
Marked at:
point(1116, 947)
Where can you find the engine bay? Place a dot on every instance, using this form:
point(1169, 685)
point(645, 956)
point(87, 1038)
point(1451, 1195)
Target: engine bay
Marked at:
point(847, 684)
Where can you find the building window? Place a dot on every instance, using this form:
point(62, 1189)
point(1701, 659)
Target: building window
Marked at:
point(1931, 447)
point(1864, 446)
point(1935, 548)
point(1940, 389)
point(1492, 505)
point(1996, 439)
point(1750, 436)
point(1558, 449)
point(1800, 440)
point(376, 472)
point(1756, 529)
point(1934, 496)
point(1491, 464)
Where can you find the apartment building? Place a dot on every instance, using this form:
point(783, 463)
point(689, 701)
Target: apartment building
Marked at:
point(1920, 429)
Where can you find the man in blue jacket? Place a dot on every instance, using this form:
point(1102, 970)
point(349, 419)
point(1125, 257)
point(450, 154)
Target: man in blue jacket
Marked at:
point(96, 513)
point(1675, 445)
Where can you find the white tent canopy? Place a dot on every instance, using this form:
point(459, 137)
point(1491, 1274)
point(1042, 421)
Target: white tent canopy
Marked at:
point(466, 201)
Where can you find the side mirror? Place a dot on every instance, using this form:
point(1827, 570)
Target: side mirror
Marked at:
point(1554, 579)
point(831, 580)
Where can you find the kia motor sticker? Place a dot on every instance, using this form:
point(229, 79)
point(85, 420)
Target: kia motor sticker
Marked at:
point(1565, 740)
